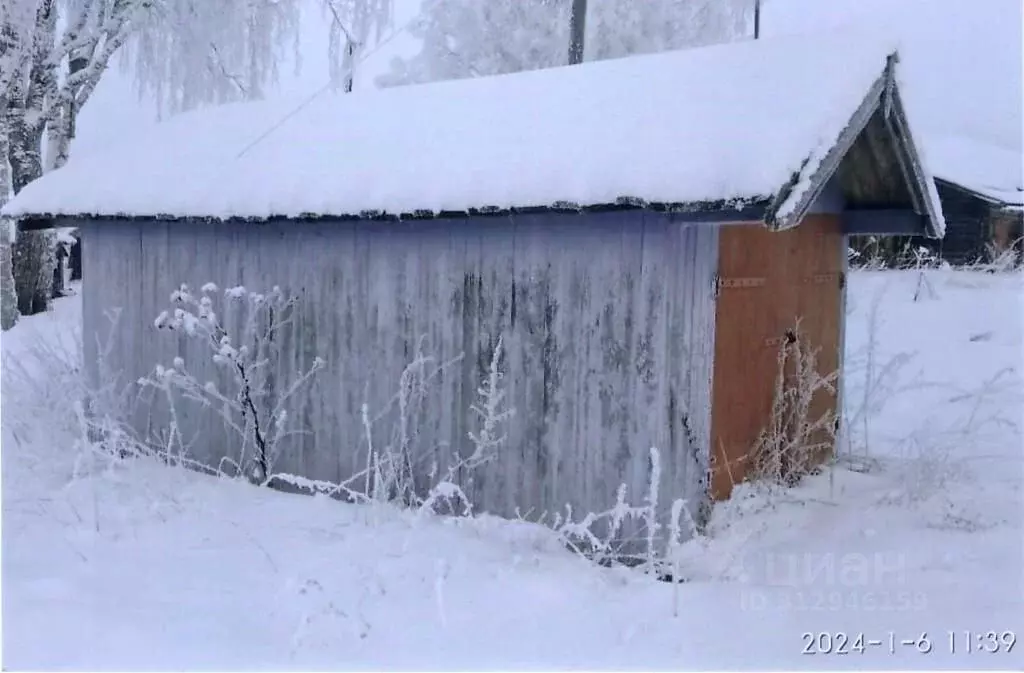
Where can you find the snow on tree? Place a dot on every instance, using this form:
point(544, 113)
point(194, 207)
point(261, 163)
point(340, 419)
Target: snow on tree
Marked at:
point(191, 53)
point(617, 28)
point(354, 23)
point(467, 38)
point(184, 53)
point(52, 54)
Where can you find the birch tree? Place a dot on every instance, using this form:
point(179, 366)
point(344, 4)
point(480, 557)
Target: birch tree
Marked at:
point(467, 38)
point(53, 54)
point(354, 25)
point(8, 298)
point(191, 53)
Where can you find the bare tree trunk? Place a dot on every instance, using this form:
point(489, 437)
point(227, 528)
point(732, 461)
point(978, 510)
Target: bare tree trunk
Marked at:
point(577, 29)
point(32, 252)
point(348, 65)
point(8, 297)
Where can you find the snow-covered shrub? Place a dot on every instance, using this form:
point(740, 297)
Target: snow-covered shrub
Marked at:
point(492, 413)
point(600, 536)
point(256, 405)
point(391, 472)
point(796, 438)
point(872, 380)
point(1004, 261)
point(933, 464)
point(62, 421)
point(39, 387)
point(394, 474)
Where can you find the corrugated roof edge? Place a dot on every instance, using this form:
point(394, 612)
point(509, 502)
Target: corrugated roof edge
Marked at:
point(735, 210)
point(789, 206)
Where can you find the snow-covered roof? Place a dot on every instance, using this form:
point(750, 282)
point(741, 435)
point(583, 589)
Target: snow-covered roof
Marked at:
point(993, 173)
point(961, 78)
point(750, 123)
point(960, 60)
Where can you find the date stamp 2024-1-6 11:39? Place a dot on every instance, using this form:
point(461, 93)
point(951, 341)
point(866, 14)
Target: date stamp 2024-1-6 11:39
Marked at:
point(950, 642)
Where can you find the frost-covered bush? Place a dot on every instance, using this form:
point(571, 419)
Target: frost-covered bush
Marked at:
point(796, 438)
point(255, 406)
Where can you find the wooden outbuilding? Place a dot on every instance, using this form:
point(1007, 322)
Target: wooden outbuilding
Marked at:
point(981, 189)
point(981, 225)
point(643, 235)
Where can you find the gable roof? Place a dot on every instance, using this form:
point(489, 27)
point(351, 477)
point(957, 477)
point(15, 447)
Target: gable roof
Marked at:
point(960, 59)
point(987, 172)
point(761, 123)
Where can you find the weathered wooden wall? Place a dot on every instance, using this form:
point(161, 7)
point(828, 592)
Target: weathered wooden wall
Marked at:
point(607, 321)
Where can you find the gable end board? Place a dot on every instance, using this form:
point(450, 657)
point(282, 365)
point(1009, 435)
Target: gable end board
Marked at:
point(883, 97)
point(825, 169)
point(922, 184)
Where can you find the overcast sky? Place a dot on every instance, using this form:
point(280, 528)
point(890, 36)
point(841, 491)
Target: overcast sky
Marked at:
point(961, 62)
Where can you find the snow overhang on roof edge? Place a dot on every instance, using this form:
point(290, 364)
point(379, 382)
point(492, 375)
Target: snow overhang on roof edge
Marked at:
point(791, 204)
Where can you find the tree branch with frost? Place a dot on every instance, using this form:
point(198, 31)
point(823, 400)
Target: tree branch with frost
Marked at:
point(67, 66)
point(256, 408)
point(354, 24)
point(468, 38)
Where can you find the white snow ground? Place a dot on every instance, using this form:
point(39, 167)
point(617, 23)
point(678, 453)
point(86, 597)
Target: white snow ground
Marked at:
point(145, 567)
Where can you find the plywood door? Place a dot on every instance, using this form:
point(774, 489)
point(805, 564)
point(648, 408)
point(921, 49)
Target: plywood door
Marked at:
point(767, 280)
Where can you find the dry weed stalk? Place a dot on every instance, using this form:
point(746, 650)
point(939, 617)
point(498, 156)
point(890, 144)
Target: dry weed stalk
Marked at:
point(797, 438)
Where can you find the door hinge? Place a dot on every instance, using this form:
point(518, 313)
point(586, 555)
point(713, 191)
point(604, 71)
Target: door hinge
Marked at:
point(731, 283)
point(822, 278)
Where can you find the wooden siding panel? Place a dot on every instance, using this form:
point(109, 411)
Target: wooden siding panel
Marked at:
point(799, 274)
point(606, 322)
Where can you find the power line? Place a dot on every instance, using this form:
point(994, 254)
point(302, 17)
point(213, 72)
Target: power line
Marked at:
point(316, 94)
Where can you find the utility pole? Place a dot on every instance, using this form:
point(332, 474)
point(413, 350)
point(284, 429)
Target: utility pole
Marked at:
point(577, 29)
point(757, 19)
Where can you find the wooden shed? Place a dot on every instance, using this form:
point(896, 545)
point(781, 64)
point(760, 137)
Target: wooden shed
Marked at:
point(641, 234)
point(981, 225)
point(981, 189)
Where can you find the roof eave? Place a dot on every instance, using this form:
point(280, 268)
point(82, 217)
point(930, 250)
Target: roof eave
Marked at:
point(919, 180)
point(989, 199)
point(884, 93)
point(828, 165)
point(710, 212)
